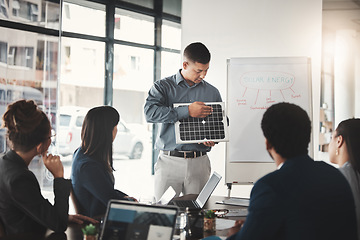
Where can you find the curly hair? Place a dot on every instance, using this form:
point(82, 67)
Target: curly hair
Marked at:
point(287, 128)
point(27, 126)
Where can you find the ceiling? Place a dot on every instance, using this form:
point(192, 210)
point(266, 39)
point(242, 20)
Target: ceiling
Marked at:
point(341, 14)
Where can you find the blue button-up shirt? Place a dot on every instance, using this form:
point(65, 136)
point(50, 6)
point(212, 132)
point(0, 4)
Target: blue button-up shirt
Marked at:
point(159, 108)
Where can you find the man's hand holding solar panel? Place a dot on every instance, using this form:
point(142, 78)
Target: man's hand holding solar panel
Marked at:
point(199, 110)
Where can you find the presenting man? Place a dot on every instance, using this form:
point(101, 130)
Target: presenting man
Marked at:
point(185, 167)
point(303, 199)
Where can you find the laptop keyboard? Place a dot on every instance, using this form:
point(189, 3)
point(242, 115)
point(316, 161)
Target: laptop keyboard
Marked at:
point(185, 203)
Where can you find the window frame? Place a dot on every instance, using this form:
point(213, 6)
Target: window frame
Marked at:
point(109, 40)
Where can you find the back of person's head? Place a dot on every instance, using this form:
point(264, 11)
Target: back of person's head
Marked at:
point(97, 133)
point(350, 131)
point(197, 52)
point(287, 128)
point(27, 126)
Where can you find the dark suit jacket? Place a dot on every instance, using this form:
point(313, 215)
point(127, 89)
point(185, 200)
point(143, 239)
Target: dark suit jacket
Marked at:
point(304, 199)
point(23, 209)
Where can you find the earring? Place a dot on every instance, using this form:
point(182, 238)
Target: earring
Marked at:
point(337, 152)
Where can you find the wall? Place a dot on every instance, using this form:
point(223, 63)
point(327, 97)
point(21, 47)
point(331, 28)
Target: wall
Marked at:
point(341, 44)
point(254, 28)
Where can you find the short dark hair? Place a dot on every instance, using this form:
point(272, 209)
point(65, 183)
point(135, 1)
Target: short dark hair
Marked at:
point(350, 131)
point(287, 128)
point(96, 134)
point(197, 52)
point(27, 126)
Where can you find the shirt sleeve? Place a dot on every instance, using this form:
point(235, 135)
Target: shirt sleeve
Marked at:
point(97, 181)
point(157, 108)
point(264, 214)
point(26, 194)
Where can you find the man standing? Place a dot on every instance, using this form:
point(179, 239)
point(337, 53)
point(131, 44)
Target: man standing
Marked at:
point(185, 167)
point(303, 199)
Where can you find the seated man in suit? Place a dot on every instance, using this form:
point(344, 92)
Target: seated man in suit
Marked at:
point(303, 199)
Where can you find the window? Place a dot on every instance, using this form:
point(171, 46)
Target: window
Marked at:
point(171, 35)
point(11, 56)
point(21, 56)
point(84, 17)
point(86, 76)
point(143, 3)
point(117, 23)
point(134, 27)
point(15, 8)
point(25, 10)
point(67, 56)
point(83, 84)
point(39, 13)
point(29, 57)
point(79, 121)
point(3, 52)
point(34, 12)
point(3, 8)
point(67, 10)
point(64, 120)
point(170, 62)
point(135, 62)
point(172, 7)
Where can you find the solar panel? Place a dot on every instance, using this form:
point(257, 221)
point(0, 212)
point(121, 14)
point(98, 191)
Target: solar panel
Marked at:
point(197, 130)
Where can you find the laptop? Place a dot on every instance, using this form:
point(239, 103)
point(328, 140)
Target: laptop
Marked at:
point(203, 196)
point(127, 220)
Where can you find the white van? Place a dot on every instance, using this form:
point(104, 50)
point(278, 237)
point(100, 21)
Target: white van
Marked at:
point(69, 134)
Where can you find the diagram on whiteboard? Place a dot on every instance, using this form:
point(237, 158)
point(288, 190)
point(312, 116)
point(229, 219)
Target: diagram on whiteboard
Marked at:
point(261, 88)
point(254, 84)
point(270, 82)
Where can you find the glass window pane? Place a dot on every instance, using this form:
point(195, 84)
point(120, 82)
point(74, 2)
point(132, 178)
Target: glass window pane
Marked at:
point(39, 13)
point(86, 18)
point(132, 78)
point(143, 3)
point(64, 120)
point(171, 35)
point(170, 63)
point(81, 87)
point(133, 68)
point(82, 72)
point(172, 7)
point(134, 27)
point(31, 74)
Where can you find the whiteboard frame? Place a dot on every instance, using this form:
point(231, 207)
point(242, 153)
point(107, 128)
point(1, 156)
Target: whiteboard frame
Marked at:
point(243, 173)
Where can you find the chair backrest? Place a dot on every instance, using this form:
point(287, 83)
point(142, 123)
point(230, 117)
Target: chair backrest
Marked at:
point(76, 203)
point(2, 229)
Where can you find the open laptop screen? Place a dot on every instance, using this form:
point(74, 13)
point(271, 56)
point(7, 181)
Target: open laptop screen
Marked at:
point(208, 189)
point(129, 220)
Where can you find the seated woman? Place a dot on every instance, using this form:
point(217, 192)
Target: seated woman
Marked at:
point(23, 209)
point(92, 168)
point(344, 150)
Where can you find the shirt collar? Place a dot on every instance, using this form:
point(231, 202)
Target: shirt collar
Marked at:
point(180, 78)
point(280, 165)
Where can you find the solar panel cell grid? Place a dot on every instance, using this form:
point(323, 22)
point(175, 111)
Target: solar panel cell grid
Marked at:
point(210, 128)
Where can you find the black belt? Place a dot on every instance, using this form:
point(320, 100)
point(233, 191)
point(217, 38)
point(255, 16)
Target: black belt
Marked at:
point(184, 154)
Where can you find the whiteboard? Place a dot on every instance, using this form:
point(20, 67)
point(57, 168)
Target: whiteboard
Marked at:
point(253, 85)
